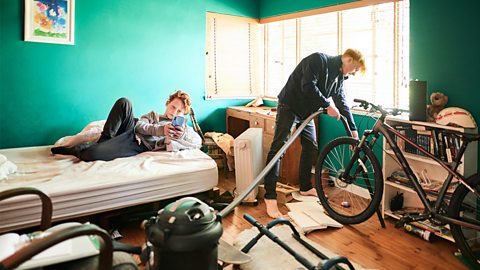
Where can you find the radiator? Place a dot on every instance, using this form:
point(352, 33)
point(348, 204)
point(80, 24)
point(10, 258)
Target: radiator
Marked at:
point(248, 152)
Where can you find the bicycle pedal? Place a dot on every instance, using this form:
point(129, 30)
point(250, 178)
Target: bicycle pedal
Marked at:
point(402, 221)
point(400, 224)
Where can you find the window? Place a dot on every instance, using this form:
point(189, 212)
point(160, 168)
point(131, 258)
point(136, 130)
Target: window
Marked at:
point(232, 57)
point(314, 30)
point(246, 59)
point(280, 53)
point(380, 32)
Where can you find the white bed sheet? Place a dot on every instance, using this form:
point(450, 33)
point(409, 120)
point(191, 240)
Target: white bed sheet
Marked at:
point(80, 188)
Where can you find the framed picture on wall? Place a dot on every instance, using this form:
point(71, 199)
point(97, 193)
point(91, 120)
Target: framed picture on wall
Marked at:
point(50, 21)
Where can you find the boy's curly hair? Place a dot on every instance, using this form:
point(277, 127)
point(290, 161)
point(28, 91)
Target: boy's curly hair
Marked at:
point(183, 97)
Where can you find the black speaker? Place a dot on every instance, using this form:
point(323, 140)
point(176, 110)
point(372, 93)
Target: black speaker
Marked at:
point(418, 100)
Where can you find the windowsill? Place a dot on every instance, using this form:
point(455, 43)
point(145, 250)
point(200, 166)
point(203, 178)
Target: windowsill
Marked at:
point(354, 110)
point(270, 99)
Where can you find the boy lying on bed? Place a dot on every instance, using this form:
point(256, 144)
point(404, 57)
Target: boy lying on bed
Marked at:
point(124, 136)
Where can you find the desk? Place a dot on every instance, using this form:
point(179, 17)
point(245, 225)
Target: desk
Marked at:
point(240, 118)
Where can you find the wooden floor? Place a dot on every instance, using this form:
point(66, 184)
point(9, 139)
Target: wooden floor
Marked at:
point(366, 244)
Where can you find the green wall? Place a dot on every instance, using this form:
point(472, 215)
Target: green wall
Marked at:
point(140, 50)
point(444, 50)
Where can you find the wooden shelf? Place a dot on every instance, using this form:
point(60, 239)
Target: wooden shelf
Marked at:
point(400, 119)
point(419, 164)
point(399, 186)
point(414, 157)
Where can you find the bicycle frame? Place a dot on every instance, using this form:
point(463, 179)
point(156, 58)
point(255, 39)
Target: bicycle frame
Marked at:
point(432, 211)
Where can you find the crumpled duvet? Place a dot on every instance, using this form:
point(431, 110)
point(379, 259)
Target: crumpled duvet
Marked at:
point(6, 167)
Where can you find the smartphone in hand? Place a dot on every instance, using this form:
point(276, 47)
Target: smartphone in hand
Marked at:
point(178, 120)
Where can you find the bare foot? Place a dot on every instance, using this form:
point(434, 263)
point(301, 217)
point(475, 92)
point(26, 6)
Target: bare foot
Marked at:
point(310, 192)
point(272, 208)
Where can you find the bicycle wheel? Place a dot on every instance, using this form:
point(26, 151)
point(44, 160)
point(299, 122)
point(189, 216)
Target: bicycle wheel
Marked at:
point(353, 199)
point(465, 206)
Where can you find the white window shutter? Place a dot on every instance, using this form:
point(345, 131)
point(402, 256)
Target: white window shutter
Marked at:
point(232, 57)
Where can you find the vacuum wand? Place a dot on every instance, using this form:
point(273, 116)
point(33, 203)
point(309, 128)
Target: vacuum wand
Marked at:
point(279, 154)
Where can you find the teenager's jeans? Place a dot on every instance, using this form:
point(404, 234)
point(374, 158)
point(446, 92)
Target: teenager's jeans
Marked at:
point(120, 119)
point(118, 136)
point(283, 125)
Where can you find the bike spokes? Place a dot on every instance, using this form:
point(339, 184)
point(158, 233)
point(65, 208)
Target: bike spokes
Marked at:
point(465, 207)
point(348, 194)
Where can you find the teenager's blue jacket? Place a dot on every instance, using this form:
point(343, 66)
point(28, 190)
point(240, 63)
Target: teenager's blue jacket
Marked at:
point(316, 78)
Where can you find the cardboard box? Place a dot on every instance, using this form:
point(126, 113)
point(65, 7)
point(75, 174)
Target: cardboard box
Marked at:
point(284, 192)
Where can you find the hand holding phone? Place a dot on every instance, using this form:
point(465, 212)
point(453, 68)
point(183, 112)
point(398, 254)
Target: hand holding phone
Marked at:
point(178, 124)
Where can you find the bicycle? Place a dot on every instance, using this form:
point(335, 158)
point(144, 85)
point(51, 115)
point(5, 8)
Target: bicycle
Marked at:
point(353, 190)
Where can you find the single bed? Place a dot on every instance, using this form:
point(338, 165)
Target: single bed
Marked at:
point(80, 188)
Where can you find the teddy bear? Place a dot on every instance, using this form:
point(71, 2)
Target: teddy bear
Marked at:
point(438, 100)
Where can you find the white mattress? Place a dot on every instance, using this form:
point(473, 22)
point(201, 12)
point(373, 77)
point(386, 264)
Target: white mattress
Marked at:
point(80, 188)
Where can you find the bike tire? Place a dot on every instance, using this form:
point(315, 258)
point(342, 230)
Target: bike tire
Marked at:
point(348, 202)
point(464, 206)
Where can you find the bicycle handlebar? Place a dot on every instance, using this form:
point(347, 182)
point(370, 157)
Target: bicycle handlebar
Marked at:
point(365, 104)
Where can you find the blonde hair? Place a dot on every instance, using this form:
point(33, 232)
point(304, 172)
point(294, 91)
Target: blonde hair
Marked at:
point(357, 56)
point(184, 97)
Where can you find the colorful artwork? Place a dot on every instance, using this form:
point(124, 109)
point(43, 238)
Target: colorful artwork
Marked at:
point(49, 21)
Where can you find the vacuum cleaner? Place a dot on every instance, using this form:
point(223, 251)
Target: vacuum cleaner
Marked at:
point(184, 235)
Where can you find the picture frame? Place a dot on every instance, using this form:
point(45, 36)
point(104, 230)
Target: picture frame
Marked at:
point(50, 21)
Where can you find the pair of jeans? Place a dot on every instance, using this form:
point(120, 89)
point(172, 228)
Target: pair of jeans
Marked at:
point(284, 122)
point(118, 136)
